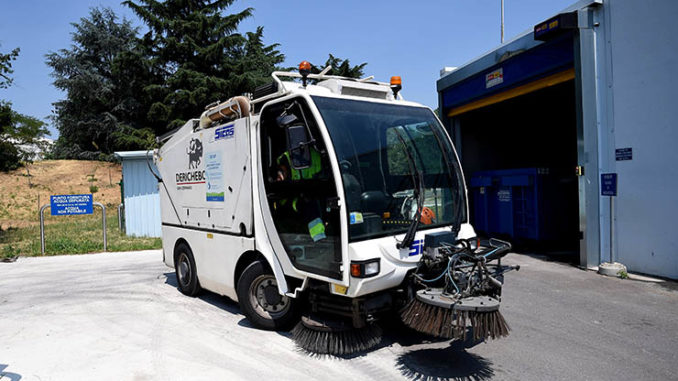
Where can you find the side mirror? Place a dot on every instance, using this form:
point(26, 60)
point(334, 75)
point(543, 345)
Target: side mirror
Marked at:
point(298, 147)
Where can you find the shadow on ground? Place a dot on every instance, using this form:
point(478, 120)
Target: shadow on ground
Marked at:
point(216, 300)
point(440, 363)
point(451, 363)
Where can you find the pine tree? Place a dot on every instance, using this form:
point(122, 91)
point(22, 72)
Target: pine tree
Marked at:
point(103, 75)
point(341, 67)
point(199, 56)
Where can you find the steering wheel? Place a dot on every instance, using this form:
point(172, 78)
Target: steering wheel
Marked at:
point(408, 209)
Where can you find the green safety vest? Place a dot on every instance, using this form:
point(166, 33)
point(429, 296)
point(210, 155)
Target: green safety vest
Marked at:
point(306, 173)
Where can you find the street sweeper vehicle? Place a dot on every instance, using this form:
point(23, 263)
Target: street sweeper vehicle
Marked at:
point(326, 204)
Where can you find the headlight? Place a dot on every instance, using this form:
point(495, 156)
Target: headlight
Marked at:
point(365, 269)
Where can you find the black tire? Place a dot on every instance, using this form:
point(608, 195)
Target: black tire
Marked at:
point(184, 268)
point(260, 301)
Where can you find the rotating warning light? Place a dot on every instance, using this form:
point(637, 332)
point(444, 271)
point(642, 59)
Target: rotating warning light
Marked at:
point(304, 70)
point(304, 65)
point(396, 85)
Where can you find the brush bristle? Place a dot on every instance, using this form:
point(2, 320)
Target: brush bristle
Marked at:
point(338, 343)
point(450, 324)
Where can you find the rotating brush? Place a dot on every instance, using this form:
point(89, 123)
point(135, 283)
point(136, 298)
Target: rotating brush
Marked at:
point(334, 337)
point(431, 312)
point(464, 294)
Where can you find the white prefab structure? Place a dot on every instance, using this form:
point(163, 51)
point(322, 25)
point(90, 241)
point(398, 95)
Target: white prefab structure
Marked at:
point(140, 196)
point(587, 92)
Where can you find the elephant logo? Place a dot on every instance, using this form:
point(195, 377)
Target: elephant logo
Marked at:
point(194, 152)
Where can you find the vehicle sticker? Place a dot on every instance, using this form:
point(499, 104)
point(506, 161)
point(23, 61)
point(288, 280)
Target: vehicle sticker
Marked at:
point(215, 176)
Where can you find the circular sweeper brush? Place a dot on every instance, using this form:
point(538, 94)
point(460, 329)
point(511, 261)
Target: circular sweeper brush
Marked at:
point(433, 312)
point(334, 337)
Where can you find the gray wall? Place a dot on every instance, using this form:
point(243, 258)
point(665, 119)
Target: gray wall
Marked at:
point(642, 41)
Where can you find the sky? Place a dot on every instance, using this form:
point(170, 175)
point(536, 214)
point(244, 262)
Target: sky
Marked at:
point(412, 39)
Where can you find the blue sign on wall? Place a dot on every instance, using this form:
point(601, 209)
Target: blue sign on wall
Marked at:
point(622, 154)
point(608, 184)
point(68, 204)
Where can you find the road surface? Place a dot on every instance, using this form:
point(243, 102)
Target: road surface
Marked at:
point(118, 316)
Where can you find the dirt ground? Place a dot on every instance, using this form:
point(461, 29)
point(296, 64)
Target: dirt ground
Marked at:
point(22, 194)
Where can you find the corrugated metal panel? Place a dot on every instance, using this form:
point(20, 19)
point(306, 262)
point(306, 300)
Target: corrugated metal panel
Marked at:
point(142, 200)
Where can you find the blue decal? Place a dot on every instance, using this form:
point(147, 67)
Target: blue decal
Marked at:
point(224, 132)
point(417, 247)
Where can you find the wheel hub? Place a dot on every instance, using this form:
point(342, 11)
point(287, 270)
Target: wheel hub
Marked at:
point(184, 270)
point(265, 298)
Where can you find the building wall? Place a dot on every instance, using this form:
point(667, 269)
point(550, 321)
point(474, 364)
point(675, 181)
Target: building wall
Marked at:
point(142, 201)
point(643, 47)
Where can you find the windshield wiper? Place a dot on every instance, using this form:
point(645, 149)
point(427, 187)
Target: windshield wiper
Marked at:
point(419, 191)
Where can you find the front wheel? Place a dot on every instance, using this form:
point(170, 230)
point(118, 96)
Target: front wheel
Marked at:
point(261, 302)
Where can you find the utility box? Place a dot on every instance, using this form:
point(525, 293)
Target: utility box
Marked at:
point(514, 203)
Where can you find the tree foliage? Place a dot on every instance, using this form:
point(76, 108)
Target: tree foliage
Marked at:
point(20, 134)
point(123, 88)
point(6, 67)
point(103, 75)
point(199, 56)
point(340, 67)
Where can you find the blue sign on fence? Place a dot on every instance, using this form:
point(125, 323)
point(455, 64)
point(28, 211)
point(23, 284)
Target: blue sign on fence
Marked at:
point(608, 184)
point(68, 204)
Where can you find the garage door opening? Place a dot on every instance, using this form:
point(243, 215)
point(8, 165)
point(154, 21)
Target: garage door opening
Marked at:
point(519, 157)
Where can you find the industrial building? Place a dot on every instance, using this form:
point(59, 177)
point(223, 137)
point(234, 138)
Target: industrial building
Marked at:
point(537, 121)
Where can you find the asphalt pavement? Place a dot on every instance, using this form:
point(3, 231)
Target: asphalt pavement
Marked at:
point(118, 316)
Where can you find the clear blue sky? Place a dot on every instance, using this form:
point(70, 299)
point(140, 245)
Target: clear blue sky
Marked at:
point(413, 39)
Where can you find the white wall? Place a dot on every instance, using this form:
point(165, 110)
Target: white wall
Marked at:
point(643, 44)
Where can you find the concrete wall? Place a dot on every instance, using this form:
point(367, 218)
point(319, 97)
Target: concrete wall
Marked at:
point(642, 42)
point(142, 201)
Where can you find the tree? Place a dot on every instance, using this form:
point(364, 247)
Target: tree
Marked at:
point(199, 57)
point(6, 67)
point(20, 135)
point(340, 67)
point(103, 74)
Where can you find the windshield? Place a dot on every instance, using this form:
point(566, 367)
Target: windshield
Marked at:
point(385, 153)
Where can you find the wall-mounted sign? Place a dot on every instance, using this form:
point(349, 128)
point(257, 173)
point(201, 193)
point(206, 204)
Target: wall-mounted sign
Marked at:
point(555, 25)
point(494, 78)
point(69, 204)
point(608, 184)
point(621, 154)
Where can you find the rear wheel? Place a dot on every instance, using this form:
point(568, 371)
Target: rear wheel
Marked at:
point(260, 300)
point(184, 268)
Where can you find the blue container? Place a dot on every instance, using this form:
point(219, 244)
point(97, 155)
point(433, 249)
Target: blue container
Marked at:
point(511, 203)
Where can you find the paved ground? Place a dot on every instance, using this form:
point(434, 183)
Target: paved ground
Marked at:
point(119, 317)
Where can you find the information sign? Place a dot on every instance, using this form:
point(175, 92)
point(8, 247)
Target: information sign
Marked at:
point(69, 204)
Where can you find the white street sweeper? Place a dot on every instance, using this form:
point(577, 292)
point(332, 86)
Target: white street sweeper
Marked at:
point(325, 204)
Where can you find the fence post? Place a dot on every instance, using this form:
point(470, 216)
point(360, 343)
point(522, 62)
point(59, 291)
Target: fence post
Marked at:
point(103, 222)
point(42, 228)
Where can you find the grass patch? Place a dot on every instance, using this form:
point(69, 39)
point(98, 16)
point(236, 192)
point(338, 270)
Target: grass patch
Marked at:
point(71, 235)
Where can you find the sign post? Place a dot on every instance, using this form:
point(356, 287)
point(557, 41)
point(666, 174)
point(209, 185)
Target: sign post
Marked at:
point(68, 205)
point(608, 187)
